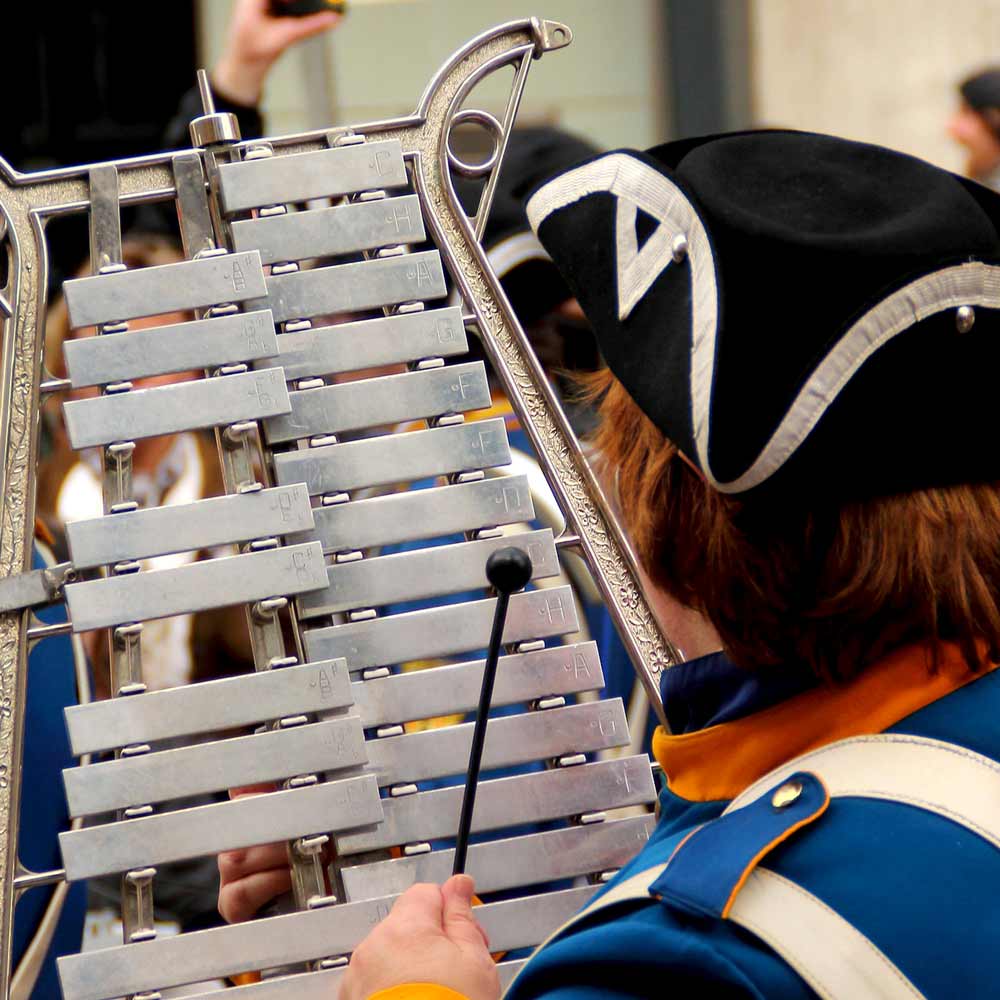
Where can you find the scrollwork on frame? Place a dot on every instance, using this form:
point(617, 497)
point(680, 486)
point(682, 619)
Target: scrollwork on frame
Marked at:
point(530, 400)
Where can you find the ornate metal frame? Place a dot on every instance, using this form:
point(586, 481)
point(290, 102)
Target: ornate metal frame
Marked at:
point(29, 201)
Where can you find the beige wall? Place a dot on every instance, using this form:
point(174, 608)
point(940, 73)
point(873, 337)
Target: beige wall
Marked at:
point(606, 85)
point(878, 70)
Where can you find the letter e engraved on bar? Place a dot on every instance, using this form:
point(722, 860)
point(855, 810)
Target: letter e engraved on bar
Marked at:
point(445, 333)
point(379, 162)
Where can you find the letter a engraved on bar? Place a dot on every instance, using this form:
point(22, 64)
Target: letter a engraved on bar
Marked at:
point(325, 684)
point(237, 277)
point(579, 665)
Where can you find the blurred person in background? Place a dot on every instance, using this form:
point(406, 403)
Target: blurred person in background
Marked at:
point(975, 125)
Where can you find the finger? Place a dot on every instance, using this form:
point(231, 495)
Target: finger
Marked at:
point(457, 919)
point(234, 865)
point(294, 29)
point(419, 908)
point(240, 900)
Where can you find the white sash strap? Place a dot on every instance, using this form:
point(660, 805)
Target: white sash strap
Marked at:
point(832, 956)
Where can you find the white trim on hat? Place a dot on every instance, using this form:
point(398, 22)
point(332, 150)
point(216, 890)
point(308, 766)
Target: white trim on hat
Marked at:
point(972, 284)
point(508, 255)
point(639, 184)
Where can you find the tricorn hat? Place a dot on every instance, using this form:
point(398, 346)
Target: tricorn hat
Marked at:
point(804, 316)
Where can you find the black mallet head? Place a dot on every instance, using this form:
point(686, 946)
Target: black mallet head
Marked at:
point(508, 570)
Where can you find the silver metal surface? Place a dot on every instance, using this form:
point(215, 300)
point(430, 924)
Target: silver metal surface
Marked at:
point(523, 798)
point(170, 409)
point(445, 631)
point(156, 531)
point(194, 214)
point(422, 573)
point(344, 288)
point(454, 689)
point(396, 458)
point(222, 826)
point(30, 200)
point(214, 766)
point(215, 583)
point(210, 706)
point(510, 740)
point(176, 347)
point(326, 232)
point(303, 176)
point(516, 861)
point(37, 586)
point(391, 399)
point(418, 514)
point(298, 937)
point(369, 343)
point(166, 288)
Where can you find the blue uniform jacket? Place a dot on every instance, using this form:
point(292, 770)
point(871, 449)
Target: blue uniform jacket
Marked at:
point(51, 687)
point(922, 888)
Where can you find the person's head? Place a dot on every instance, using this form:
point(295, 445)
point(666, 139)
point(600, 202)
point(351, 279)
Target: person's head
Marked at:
point(975, 124)
point(802, 333)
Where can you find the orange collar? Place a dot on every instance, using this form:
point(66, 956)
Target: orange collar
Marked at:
point(719, 762)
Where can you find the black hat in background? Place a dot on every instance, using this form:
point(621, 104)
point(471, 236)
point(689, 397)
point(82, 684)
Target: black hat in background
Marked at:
point(805, 316)
point(529, 278)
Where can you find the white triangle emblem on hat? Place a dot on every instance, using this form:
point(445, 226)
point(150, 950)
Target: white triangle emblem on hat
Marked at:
point(638, 269)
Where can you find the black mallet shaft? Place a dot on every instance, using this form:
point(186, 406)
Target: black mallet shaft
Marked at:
point(507, 570)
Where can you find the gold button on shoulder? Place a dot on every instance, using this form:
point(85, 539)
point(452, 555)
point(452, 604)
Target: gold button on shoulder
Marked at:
point(786, 794)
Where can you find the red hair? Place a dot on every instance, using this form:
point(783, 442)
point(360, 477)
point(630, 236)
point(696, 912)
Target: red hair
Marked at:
point(832, 588)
